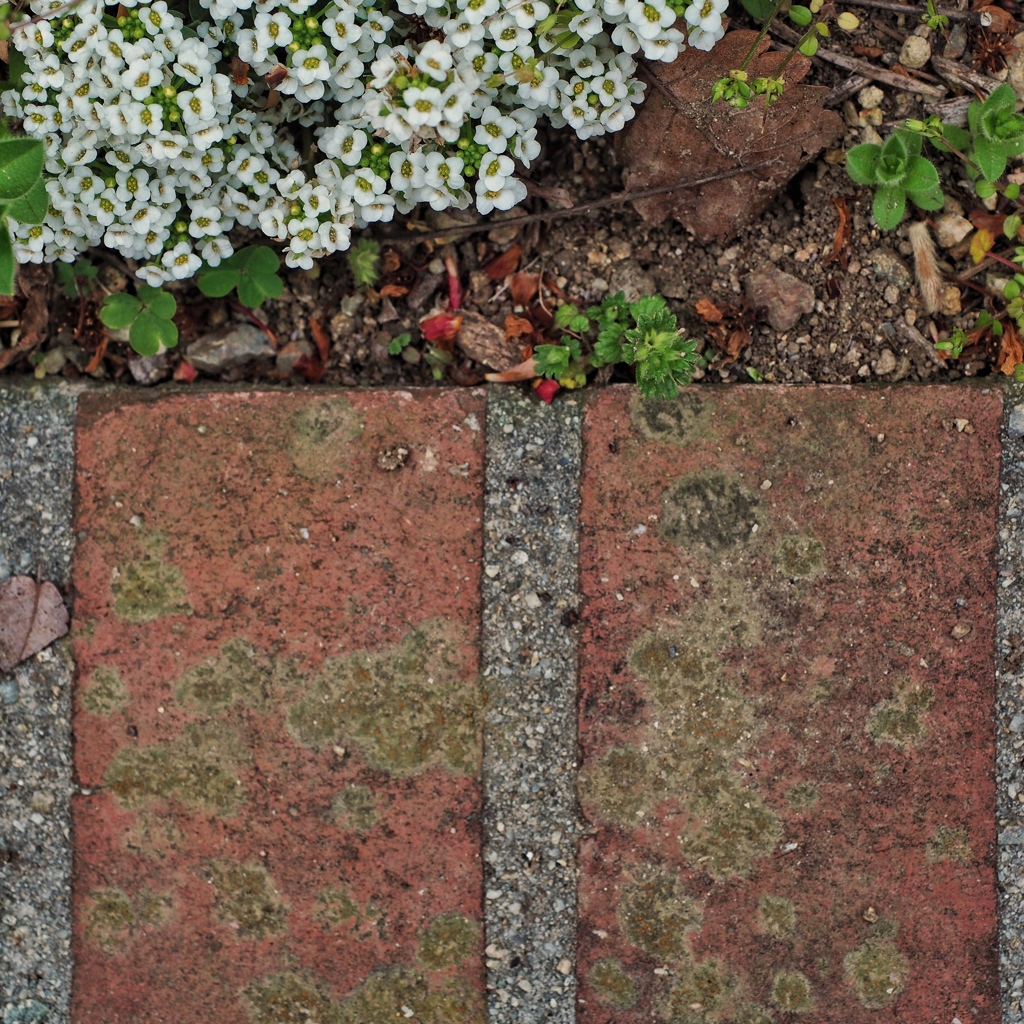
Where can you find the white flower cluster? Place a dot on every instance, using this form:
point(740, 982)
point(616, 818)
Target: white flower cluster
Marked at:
point(162, 134)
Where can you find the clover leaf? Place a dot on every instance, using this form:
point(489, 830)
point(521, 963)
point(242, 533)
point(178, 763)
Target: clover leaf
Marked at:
point(147, 316)
point(251, 272)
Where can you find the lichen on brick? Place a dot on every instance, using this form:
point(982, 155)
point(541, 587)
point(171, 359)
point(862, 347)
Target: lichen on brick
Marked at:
point(199, 769)
point(447, 941)
point(677, 420)
point(321, 436)
point(381, 997)
point(335, 907)
point(612, 984)
point(290, 998)
point(802, 796)
point(355, 807)
point(149, 587)
point(112, 917)
point(899, 721)
point(656, 915)
point(236, 674)
point(247, 899)
point(708, 509)
point(791, 992)
point(877, 971)
point(776, 916)
point(949, 844)
point(799, 556)
point(701, 994)
point(105, 692)
point(406, 708)
point(620, 785)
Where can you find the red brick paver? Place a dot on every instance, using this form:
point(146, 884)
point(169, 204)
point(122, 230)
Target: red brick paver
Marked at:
point(786, 707)
point(276, 631)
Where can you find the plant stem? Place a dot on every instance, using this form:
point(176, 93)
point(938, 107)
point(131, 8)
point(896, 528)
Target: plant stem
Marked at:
point(752, 52)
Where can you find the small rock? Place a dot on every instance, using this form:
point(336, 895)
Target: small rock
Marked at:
point(951, 228)
point(916, 52)
point(288, 356)
point(565, 966)
point(9, 691)
point(871, 117)
point(950, 304)
point(149, 370)
point(423, 290)
point(387, 311)
point(1017, 723)
point(961, 630)
point(886, 363)
point(888, 266)
point(891, 294)
point(485, 342)
point(871, 136)
point(631, 279)
point(390, 459)
point(871, 915)
point(1016, 424)
point(230, 349)
point(785, 297)
point(870, 97)
point(956, 42)
point(43, 801)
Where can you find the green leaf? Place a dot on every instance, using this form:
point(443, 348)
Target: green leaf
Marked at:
point(397, 343)
point(997, 329)
point(148, 332)
point(158, 302)
point(809, 47)
point(933, 199)
point(1012, 190)
point(861, 162)
point(119, 310)
point(955, 136)
point(1002, 98)
point(21, 164)
point(579, 324)
point(257, 259)
point(250, 294)
point(921, 175)
point(890, 202)
point(271, 284)
point(8, 266)
point(1011, 290)
point(649, 305)
point(551, 360)
point(564, 315)
point(990, 157)
point(1012, 225)
point(218, 282)
point(912, 141)
point(892, 161)
point(759, 10)
point(984, 189)
point(800, 15)
point(32, 207)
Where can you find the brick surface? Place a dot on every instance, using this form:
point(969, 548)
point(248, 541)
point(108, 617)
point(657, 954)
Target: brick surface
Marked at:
point(277, 709)
point(786, 706)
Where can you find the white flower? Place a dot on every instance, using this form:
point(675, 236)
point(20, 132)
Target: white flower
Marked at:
point(424, 106)
point(365, 186)
point(528, 14)
point(443, 172)
point(700, 39)
point(344, 142)
point(181, 262)
point(217, 250)
point(435, 60)
point(475, 12)
point(650, 17)
point(407, 170)
point(505, 197)
point(205, 221)
point(494, 170)
point(494, 130)
point(706, 14)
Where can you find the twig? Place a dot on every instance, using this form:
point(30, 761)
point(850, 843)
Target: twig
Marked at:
point(844, 90)
point(912, 334)
point(863, 68)
point(596, 204)
point(965, 78)
point(971, 17)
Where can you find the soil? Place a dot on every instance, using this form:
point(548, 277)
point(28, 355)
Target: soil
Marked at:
point(867, 323)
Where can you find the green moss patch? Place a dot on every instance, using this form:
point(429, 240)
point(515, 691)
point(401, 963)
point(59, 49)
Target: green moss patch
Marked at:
point(621, 785)
point(877, 971)
point(678, 420)
point(355, 807)
point(656, 915)
point(247, 900)
point(447, 941)
point(289, 998)
point(899, 721)
point(381, 998)
point(112, 917)
point(406, 708)
point(701, 993)
point(612, 985)
point(199, 769)
point(334, 907)
point(791, 992)
point(149, 588)
point(802, 796)
point(800, 557)
point(237, 674)
point(105, 692)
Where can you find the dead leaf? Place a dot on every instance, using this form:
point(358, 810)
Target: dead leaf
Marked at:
point(390, 262)
point(708, 311)
point(981, 243)
point(394, 291)
point(991, 222)
point(524, 371)
point(683, 136)
point(321, 338)
point(274, 77)
point(841, 243)
point(1010, 351)
point(871, 52)
point(523, 287)
point(32, 616)
point(239, 71)
point(1002, 21)
point(310, 367)
point(517, 326)
point(554, 194)
point(34, 283)
point(185, 372)
point(487, 343)
point(736, 341)
point(501, 266)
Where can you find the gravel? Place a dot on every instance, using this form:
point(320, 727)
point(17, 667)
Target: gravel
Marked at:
point(530, 597)
point(36, 453)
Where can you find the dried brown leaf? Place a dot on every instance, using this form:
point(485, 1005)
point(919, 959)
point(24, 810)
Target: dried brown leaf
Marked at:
point(501, 266)
point(34, 283)
point(32, 616)
point(517, 326)
point(1010, 351)
point(681, 135)
point(524, 287)
point(841, 243)
point(708, 311)
point(393, 291)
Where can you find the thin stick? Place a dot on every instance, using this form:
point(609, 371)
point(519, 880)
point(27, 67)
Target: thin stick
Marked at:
point(971, 17)
point(597, 204)
point(863, 68)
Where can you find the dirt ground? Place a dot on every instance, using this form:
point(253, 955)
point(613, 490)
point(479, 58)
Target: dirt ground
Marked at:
point(867, 323)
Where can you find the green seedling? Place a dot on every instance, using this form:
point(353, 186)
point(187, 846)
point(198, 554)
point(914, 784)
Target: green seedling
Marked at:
point(398, 343)
point(147, 315)
point(935, 21)
point(251, 272)
point(898, 172)
point(363, 261)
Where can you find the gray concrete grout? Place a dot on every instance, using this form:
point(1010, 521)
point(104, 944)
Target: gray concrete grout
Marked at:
point(530, 596)
point(36, 486)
